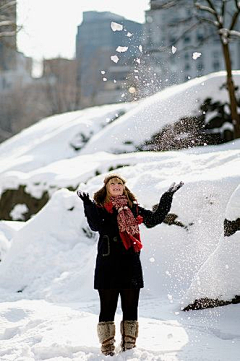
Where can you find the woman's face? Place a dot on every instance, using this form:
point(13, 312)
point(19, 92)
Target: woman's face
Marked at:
point(115, 187)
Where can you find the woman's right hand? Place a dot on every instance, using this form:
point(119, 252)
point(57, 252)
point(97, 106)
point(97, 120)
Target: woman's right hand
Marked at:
point(175, 187)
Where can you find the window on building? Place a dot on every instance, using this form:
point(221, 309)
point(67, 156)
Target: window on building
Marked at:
point(172, 39)
point(200, 66)
point(199, 37)
point(187, 39)
point(216, 65)
point(215, 54)
point(187, 67)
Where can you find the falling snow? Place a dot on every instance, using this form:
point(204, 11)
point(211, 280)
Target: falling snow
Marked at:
point(196, 55)
point(115, 58)
point(122, 49)
point(116, 26)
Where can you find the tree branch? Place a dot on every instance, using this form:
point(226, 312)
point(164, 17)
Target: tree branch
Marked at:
point(223, 8)
point(235, 18)
point(206, 20)
point(204, 8)
point(234, 33)
point(237, 3)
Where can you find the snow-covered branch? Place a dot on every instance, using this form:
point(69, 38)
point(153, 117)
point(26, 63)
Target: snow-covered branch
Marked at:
point(211, 10)
point(234, 33)
point(205, 8)
point(237, 3)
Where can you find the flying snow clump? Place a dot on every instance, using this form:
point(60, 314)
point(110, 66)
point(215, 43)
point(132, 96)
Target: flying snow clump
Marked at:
point(115, 58)
point(116, 26)
point(196, 55)
point(122, 49)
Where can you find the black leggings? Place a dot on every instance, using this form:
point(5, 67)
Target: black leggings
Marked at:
point(109, 300)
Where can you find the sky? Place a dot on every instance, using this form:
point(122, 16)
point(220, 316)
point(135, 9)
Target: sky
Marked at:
point(49, 27)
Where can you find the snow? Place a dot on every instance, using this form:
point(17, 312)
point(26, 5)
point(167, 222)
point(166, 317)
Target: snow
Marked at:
point(220, 262)
point(115, 58)
point(196, 55)
point(174, 49)
point(18, 211)
point(49, 310)
point(232, 212)
point(116, 26)
point(155, 112)
point(122, 49)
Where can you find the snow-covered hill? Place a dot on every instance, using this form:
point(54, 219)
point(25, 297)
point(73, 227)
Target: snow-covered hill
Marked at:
point(49, 155)
point(49, 308)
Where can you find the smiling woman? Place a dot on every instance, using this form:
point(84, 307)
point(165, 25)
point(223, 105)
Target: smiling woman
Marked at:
point(116, 215)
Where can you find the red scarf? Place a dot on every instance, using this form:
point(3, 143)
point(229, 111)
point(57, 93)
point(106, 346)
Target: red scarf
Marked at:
point(127, 224)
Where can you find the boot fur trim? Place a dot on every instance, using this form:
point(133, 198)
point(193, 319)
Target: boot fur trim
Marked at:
point(106, 333)
point(129, 331)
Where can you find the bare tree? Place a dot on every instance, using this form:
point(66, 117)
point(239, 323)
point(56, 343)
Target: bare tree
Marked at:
point(220, 19)
point(59, 83)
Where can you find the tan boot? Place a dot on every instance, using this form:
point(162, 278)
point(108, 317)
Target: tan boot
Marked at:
point(129, 331)
point(106, 333)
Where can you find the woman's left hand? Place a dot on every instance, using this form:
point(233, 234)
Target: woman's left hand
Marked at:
point(175, 187)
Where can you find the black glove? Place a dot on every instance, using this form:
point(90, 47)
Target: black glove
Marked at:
point(84, 197)
point(175, 187)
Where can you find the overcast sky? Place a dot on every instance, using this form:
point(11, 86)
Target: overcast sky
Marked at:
point(50, 26)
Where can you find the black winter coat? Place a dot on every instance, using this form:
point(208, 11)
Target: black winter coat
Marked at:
point(116, 267)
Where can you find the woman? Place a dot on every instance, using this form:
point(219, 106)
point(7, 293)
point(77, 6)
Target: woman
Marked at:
point(115, 214)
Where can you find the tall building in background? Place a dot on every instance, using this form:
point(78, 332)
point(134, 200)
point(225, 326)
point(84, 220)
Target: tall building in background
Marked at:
point(179, 64)
point(8, 44)
point(100, 36)
point(15, 67)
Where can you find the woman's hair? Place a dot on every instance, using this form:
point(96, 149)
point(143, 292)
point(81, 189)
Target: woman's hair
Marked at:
point(102, 195)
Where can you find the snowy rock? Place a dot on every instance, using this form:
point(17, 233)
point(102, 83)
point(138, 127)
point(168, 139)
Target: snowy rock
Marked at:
point(219, 277)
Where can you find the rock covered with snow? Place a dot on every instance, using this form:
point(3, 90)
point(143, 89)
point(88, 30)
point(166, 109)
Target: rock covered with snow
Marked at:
point(219, 277)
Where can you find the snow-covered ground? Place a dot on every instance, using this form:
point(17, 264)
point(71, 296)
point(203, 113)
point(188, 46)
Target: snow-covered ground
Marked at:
point(49, 309)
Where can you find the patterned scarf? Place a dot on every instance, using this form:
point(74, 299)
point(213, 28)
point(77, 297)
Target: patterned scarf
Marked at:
point(127, 224)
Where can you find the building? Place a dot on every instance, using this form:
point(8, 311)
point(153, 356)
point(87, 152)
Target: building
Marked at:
point(8, 44)
point(107, 46)
point(15, 68)
point(17, 77)
point(189, 57)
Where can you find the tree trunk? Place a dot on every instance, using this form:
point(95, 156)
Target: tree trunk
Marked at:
point(231, 91)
